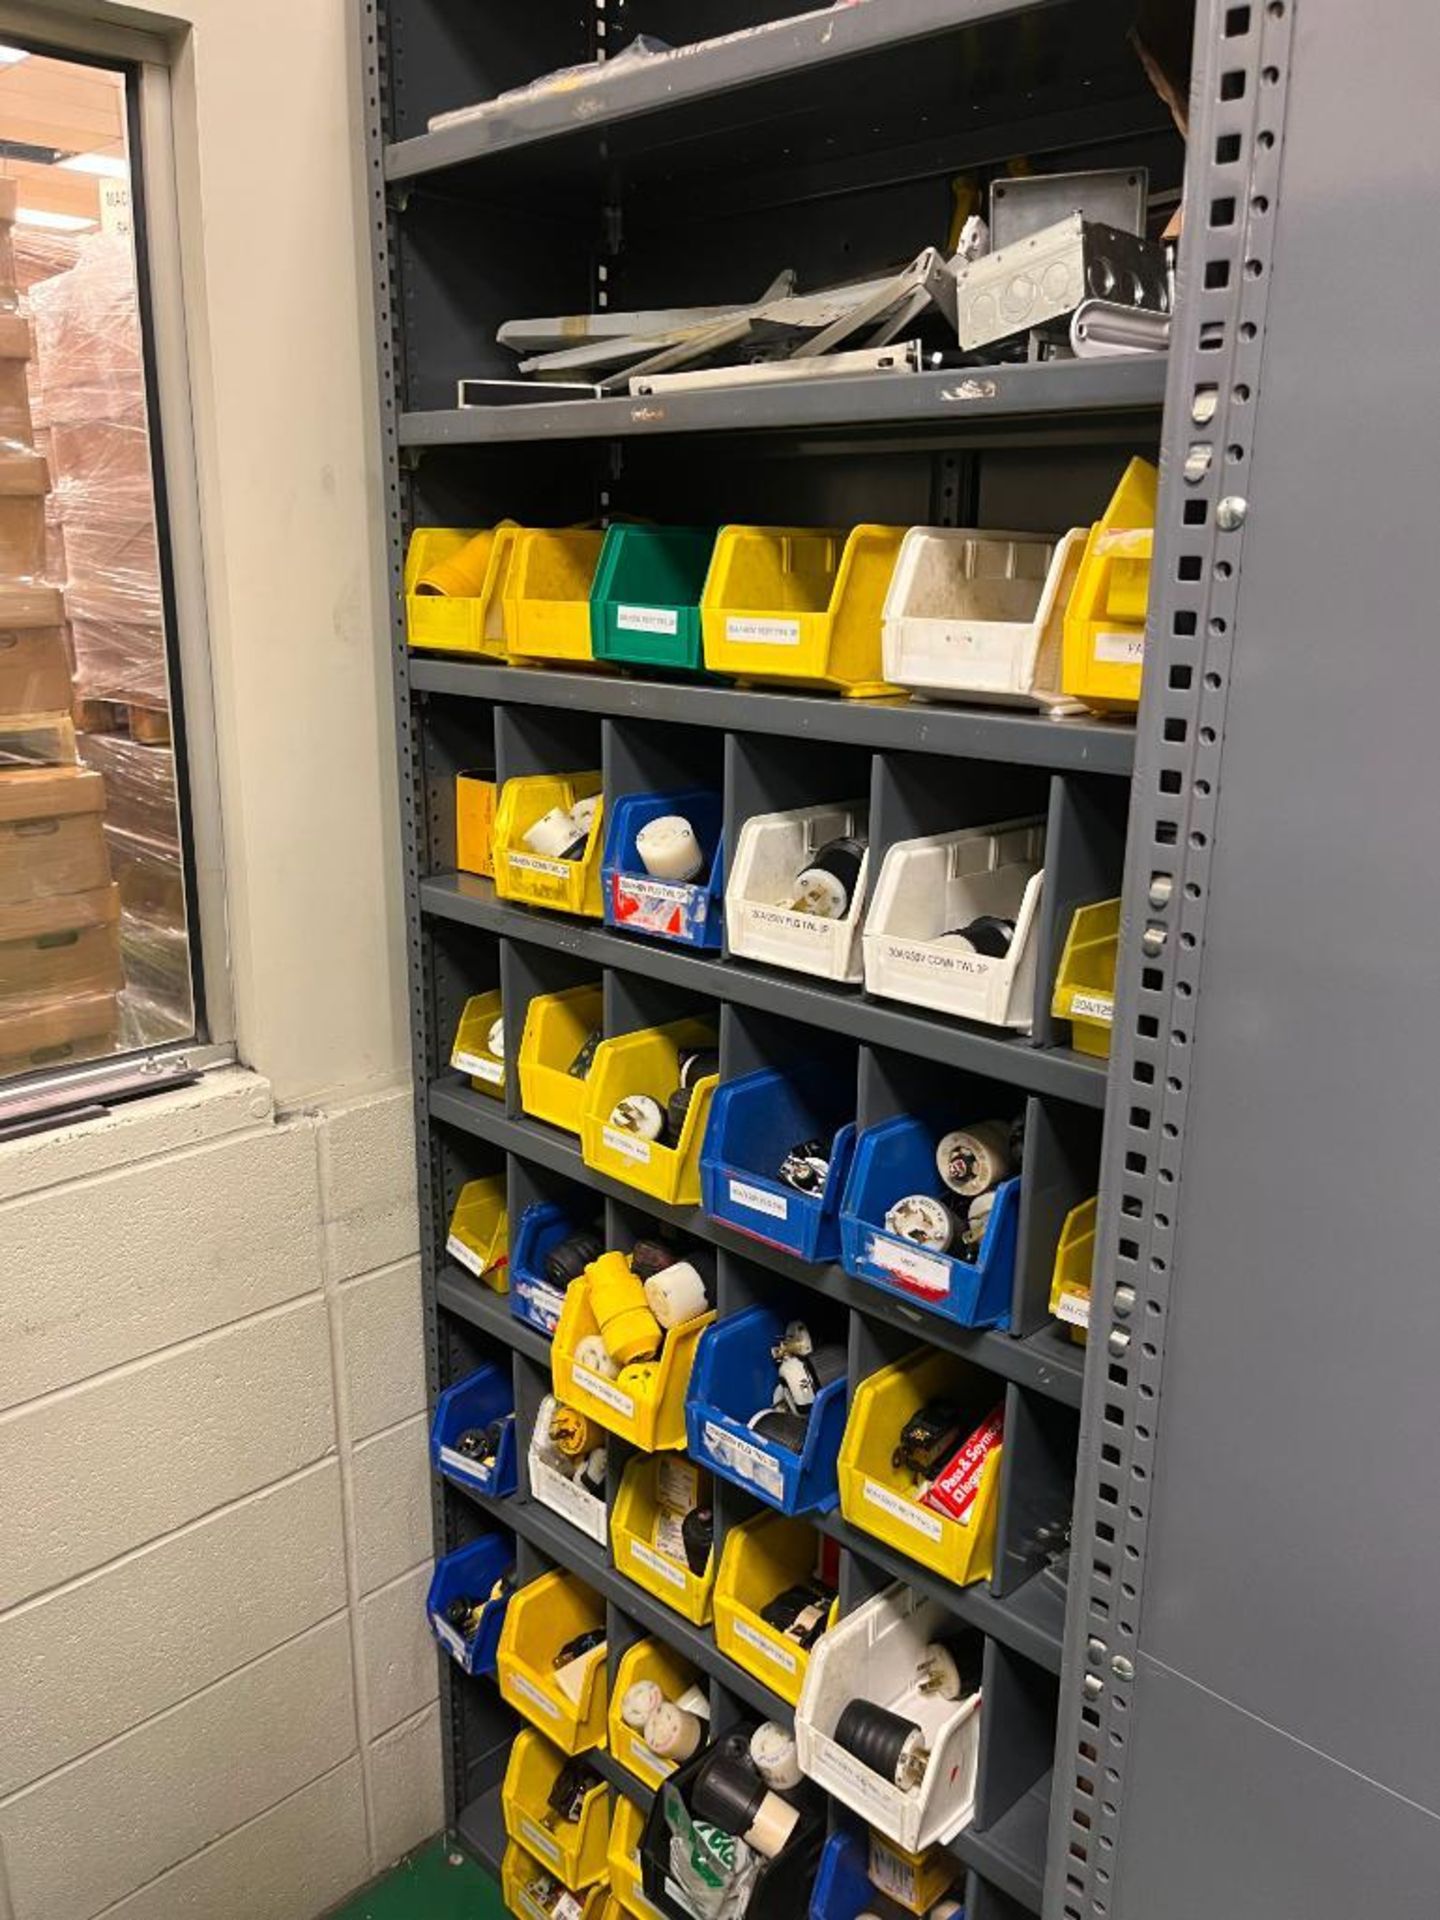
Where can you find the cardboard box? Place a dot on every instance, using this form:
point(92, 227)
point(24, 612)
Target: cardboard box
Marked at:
point(24, 483)
point(55, 1033)
point(34, 662)
point(52, 838)
point(475, 824)
point(68, 944)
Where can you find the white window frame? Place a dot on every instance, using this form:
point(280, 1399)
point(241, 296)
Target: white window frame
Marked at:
point(40, 1098)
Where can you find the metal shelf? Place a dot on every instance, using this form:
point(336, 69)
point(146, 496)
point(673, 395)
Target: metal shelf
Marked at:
point(470, 1300)
point(1057, 1071)
point(1038, 1362)
point(1011, 1854)
point(481, 1830)
point(721, 78)
point(1075, 745)
point(945, 403)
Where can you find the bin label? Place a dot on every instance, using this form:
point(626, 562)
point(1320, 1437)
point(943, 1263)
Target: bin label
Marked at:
point(536, 863)
point(923, 1273)
point(866, 1792)
point(742, 1194)
point(657, 906)
point(542, 1304)
point(566, 1907)
point(752, 1463)
point(465, 1467)
point(451, 1638)
point(572, 1503)
point(538, 1840)
point(781, 1656)
point(479, 1066)
point(650, 1761)
point(1093, 1006)
point(627, 1144)
point(647, 620)
point(1120, 649)
point(762, 633)
point(664, 1569)
point(462, 1251)
point(528, 1691)
point(606, 1390)
point(1073, 1308)
point(903, 1510)
point(932, 958)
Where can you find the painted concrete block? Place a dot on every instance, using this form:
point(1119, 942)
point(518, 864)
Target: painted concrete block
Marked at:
point(367, 1176)
point(300, 1858)
point(107, 1270)
point(176, 1616)
point(391, 1516)
point(382, 1346)
point(397, 1651)
point(94, 1832)
point(407, 1792)
point(88, 1474)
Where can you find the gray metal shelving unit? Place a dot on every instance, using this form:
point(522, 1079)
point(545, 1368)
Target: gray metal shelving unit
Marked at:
point(1115, 1743)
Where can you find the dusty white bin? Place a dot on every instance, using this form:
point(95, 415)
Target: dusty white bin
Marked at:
point(877, 1649)
point(556, 1490)
point(771, 851)
point(981, 615)
point(932, 886)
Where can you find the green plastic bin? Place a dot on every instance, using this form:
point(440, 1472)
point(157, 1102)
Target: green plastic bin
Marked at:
point(645, 603)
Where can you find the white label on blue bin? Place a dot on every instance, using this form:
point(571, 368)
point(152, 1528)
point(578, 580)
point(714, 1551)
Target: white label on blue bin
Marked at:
point(762, 633)
point(462, 1251)
point(534, 863)
point(461, 1463)
point(906, 1511)
point(451, 1638)
point(752, 1463)
point(918, 1272)
point(543, 1303)
point(758, 1200)
point(519, 1684)
point(781, 1656)
point(603, 1389)
point(647, 620)
point(538, 1840)
point(1093, 1006)
point(1120, 649)
point(657, 1563)
point(627, 1144)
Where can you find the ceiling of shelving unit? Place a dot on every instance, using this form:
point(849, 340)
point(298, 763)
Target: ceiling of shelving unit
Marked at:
point(52, 111)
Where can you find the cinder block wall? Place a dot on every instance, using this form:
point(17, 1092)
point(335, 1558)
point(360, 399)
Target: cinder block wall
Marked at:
point(217, 1691)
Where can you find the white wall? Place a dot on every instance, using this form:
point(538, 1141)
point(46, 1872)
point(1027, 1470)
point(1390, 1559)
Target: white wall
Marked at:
point(216, 1688)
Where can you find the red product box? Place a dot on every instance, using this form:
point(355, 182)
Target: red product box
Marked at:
point(953, 1490)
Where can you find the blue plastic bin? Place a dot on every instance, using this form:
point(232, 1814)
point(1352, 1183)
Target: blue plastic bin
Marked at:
point(898, 1158)
point(485, 1395)
point(733, 1378)
point(843, 1887)
point(471, 1570)
point(754, 1122)
point(532, 1298)
point(689, 913)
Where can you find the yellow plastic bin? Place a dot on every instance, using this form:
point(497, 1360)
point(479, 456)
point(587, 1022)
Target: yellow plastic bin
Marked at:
point(801, 605)
point(877, 1494)
point(574, 1850)
point(464, 569)
point(1104, 649)
point(557, 1027)
point(915, 1880)
point(646, 1404)
point(520, 1875)
point(471, 1051)
point(539, 1621)
point(761, 1558)
point(547, 594)
point(1074, 1270)
point(623, 1860)
point(639, 1525)
point(1085, 982)
point(646, 1660)
point(648, 1062)
point(569, 886)
point(479, 1237)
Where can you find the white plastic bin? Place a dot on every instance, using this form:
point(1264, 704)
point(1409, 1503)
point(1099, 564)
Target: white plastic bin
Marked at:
point(878, 1649)
point(981, 615)
point(772, 850)
point(556, 1490)
point(934, 885)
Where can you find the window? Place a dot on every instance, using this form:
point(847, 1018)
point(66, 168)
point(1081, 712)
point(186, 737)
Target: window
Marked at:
point(101, 986)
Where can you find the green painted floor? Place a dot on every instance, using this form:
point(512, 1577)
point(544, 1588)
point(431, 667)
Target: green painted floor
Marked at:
point(428, 1887)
